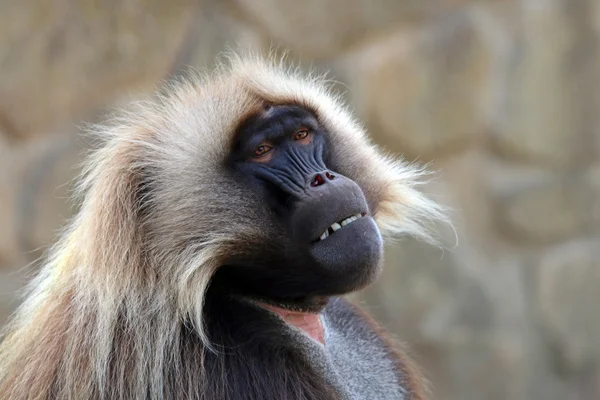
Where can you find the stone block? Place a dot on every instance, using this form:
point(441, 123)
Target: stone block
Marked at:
point(61, 58)
point(549, 109)
point(567, 298)
point(553, 208)
point(35, 195)
point(324, 28)
point(422, 92)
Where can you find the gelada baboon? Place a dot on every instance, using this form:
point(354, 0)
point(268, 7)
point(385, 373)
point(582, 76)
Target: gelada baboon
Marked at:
point(219, 222)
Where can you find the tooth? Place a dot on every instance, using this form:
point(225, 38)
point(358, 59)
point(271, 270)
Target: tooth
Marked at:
point(346, 222)
point(357, 216)
point(353, 218)
point(335, 226)
point(324, 235)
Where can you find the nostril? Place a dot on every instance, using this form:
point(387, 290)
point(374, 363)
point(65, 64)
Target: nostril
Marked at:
point(317, 180)
point(329, 175)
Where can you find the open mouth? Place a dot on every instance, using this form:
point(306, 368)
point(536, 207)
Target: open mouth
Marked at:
point(336, 226)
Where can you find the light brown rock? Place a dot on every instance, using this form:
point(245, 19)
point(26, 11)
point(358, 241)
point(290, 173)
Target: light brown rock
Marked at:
point(548, 106)
point(555, 208)
point(568, 295)
point(423, 94)
point(324, 28)
point(8, 242)
point(58, 59)
point(34, 195)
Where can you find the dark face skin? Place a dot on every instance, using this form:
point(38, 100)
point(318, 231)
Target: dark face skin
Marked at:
point(328, 243)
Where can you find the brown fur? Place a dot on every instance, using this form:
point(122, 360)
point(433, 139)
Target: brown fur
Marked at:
point(106, 316)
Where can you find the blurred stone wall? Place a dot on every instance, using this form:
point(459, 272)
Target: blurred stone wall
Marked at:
point(501, 97)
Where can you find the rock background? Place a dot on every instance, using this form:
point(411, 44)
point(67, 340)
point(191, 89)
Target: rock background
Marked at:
point(501, 97)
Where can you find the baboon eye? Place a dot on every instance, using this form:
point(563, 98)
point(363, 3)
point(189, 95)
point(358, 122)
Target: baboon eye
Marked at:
point(262, 150)
point(301, 134)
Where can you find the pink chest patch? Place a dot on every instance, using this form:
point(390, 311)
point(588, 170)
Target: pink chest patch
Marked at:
point(309, 323)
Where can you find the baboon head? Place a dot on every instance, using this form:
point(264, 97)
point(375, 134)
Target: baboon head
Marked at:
point(256, 180)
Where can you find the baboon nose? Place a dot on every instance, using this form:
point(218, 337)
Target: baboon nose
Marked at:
point(321, 178)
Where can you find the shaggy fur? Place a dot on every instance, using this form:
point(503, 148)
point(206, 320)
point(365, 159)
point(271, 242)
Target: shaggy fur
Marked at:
point(121, 295)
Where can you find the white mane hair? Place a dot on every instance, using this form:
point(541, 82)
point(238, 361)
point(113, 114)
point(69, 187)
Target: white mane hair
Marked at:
point(105, 316)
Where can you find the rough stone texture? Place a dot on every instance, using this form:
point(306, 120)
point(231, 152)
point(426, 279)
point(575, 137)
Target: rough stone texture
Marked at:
point(563, 206)
point(423, 90)
point(567, 298)
point(503, 98)
point(549, 111)
point(61, 58)
point(34, 194)
point(8, 245)
point(322, 28)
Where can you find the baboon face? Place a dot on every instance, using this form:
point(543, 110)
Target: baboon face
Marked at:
point(332, 244)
